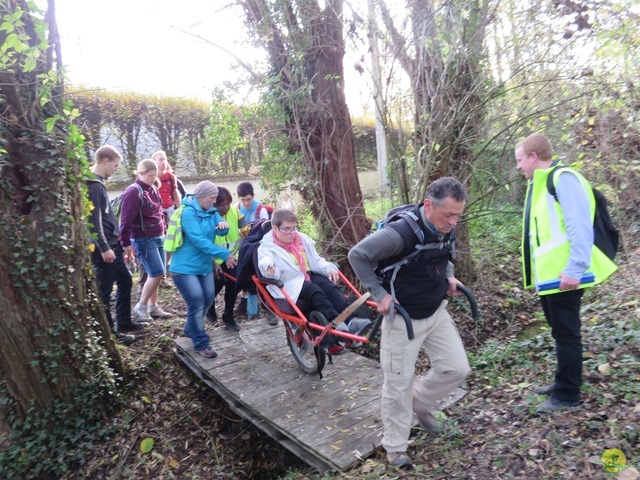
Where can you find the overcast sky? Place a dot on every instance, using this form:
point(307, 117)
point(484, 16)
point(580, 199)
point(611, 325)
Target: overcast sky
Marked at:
point(135, 45)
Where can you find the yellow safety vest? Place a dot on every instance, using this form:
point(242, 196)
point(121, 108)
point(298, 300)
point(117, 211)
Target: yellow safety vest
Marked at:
point(231, 241)
point(549, 245)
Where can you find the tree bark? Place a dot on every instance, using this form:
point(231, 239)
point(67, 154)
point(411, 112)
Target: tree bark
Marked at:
point(306, 50)
point(54, 337)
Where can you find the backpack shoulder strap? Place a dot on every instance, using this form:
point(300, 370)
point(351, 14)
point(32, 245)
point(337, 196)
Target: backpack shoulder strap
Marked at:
point(551, 188)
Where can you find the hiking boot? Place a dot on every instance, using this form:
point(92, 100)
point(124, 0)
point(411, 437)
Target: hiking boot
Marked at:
point(156, 312)
point(545, 390)
point(427, 420)
point(123, 339)
point(241, 309)
point(551, 405)
point(132, 327)
point(230, 323)
point(142, 312)
point(399, 460)
point(165, 284)
point(271, 318)
point(207, 353)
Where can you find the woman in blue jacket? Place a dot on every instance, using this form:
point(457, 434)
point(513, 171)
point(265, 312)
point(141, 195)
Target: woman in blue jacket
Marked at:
point(192, 263)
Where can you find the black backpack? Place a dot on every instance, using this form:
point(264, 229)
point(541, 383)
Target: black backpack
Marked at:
point(245, 269)
point(605, 234)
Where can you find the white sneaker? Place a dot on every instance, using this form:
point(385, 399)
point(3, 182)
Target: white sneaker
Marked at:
point(156, 312)
point(141, 312)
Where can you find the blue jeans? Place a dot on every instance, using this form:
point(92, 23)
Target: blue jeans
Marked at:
point(150, 251)
point(198, 294)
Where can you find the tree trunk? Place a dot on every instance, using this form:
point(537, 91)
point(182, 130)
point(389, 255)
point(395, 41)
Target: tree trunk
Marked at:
point(306, 50)
point(55, 343)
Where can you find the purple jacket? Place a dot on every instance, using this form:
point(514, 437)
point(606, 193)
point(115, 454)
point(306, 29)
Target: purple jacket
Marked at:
point(152, 222)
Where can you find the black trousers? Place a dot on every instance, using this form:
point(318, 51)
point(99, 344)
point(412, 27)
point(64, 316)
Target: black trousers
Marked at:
point(230, 290)
point(106, 275)
point(562, 311)
point(323, 295)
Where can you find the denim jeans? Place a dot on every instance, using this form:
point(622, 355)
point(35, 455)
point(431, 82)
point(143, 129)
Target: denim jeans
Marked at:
point(106, 275)
point(198, 294)
point(150, 251)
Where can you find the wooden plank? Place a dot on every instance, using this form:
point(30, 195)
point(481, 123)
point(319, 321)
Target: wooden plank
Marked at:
point(332, 424)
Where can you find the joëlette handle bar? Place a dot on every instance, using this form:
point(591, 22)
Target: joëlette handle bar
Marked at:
point(407, 320)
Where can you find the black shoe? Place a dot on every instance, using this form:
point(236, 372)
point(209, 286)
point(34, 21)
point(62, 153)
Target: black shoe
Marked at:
point(131, 327)
point(241, 309)
point(545, 390)
point(211, 316)
point(551, 405)
point(271, 318)
point(123, 339)
point(230, 322)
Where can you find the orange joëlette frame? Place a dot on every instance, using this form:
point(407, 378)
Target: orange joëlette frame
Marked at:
point(268, 301)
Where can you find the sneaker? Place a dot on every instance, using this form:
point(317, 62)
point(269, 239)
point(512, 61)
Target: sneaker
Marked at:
point(123, 339)
point(553, 405)
point(207, 353)
point(359, 326)
point(399, 460)
point(427, 420)
point(336, 350)
point(241, 309)
point(156, 312)
point(545, 390)
point(132, 327)
point(271, 318)
point(141, 311)
point(230, 323)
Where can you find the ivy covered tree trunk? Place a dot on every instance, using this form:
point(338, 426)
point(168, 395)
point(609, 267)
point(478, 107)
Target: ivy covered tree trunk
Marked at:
point(58, 362)
point(306, 48)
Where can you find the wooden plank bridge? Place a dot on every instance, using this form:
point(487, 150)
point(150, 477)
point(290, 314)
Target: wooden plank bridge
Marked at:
point(331, 424)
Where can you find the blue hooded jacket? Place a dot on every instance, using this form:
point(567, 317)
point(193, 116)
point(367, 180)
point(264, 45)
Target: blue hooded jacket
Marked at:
point(195, 256)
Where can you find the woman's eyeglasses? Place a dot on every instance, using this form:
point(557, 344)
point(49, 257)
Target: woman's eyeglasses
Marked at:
point(288, 229)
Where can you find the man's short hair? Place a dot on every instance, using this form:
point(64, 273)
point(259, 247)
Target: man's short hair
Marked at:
point(539, 144)
point(244, 189)
point(281, 215)
point(108, 153)
point(444, 187)
point(159, 153)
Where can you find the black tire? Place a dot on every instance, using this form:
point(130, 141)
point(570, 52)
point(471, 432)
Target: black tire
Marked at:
point(310, 361)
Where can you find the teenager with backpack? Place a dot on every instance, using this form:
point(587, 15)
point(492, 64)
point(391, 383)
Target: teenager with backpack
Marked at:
point(169, 193)
point(419, 286)
point(559, 259)
point(253, 211)
point(142, 229)
point(108, 255)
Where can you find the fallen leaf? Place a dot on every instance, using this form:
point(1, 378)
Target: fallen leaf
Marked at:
point(146, 445)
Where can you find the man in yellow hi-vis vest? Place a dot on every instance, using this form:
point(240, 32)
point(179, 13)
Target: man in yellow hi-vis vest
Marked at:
point(559, 259)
